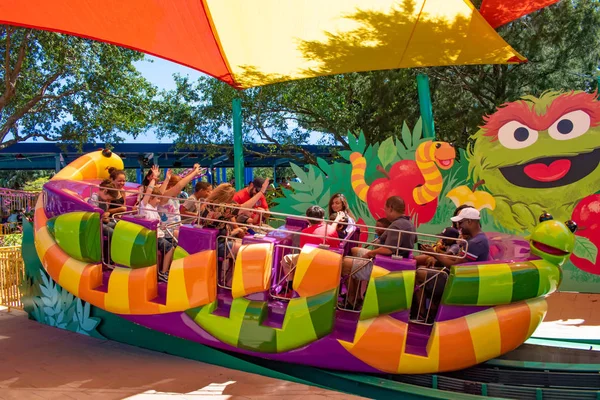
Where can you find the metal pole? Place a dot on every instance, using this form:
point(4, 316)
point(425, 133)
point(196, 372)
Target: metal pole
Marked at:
point(238, 150)
point(138, 176)
point(425, 106)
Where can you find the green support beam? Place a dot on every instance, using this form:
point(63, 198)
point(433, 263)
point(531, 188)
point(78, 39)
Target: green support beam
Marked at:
point(425, 106)
point(238, 149)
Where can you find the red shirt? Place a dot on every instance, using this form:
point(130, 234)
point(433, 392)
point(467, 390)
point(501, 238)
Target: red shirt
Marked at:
point(243, 196)
point(320, 229)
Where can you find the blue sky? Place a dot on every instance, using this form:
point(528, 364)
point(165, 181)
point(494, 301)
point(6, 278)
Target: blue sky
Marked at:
point(160, 73)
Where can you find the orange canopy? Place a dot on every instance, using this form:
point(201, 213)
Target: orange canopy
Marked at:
point(252, 43)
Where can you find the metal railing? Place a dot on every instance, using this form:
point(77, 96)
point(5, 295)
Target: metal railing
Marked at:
point(226, 266)
point(426, 308)
point(12, 271)
point(280, 289)
point(355, 287)
point(423, 237)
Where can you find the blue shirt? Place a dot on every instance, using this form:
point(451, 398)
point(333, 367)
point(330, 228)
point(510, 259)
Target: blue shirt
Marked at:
point(478, 248)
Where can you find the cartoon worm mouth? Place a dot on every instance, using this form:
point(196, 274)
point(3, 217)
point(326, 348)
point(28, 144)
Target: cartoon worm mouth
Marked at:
point(445, 163)
point(549, 249)
point(549, 172)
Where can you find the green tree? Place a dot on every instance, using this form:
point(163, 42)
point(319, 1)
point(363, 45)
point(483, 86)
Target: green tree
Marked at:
point(63, 88)
point(562, 42)
point(31, 180)
point(36, 185)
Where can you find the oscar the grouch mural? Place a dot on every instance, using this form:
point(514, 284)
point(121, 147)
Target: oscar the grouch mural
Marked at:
point(540, 155)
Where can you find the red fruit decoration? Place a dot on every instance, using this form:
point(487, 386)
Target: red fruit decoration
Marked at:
point(401, 180)
point(587, 216)
point(405, 180)
point(364, 232)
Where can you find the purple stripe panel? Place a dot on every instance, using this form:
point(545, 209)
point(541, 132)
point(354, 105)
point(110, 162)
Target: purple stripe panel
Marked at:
point(324, 353)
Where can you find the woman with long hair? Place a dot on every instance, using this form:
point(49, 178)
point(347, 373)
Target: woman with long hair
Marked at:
point(338, 205)
point(118, 179)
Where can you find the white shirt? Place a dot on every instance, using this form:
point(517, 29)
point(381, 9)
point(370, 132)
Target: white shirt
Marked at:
point(170, 211)
point(150, 212)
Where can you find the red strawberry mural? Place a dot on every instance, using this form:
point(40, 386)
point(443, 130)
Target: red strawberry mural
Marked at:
point(587, 216)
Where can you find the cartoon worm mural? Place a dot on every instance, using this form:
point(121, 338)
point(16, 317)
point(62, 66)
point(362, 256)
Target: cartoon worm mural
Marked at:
point(428, 155)
point(419, 182)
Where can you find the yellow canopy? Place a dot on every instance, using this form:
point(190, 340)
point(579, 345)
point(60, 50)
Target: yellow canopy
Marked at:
point(251, 43)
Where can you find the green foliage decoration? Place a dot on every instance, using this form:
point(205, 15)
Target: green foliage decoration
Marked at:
point(59, 308)
point(46, 301)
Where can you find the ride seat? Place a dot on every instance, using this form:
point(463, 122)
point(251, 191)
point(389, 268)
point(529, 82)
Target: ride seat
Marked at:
point(133, 245)
point(252, 272)
point(317, 271)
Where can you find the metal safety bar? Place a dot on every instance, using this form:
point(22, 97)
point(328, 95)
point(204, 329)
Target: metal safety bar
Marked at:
point(351, 301)
point(423, 314)
point(281, 280)
point(395, 249)
point(223, 267)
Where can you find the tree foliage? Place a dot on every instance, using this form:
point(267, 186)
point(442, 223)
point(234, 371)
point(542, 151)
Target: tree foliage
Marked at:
point(63, 88)
point(562, 43)
point(30, 180)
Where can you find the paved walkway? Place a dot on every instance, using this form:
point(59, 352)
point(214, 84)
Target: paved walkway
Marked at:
point(571, 316)
point(41, 362)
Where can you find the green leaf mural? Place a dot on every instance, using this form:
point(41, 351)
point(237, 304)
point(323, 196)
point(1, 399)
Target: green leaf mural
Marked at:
point(387, 152)
point(584, 248)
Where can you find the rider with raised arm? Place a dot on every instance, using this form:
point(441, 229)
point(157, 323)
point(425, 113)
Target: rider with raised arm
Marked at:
point(220, 211)
point(169, 205)
point(244, 195)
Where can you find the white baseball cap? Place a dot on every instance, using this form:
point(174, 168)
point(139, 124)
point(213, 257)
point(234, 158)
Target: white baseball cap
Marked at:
point(466, 213)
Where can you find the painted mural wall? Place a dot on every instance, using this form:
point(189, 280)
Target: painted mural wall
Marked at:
point(531, 156)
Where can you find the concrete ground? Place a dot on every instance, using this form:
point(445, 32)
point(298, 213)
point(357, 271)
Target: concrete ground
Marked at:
point(571, 316)
point(41, 362)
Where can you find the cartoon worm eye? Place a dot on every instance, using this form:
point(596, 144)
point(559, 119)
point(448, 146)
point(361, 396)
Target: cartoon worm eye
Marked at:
point(438, 145)
point(570, 125)
point(546, 217)
point(572, 225)
point(515, 135)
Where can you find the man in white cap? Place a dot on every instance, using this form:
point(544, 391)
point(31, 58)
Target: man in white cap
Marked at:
point(478, 249)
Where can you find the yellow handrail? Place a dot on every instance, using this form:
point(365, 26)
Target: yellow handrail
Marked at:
point(12, 270)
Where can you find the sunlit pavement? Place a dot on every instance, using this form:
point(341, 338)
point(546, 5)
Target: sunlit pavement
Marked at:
point(571, 316)
point(41, 362)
